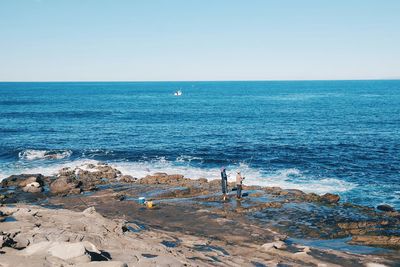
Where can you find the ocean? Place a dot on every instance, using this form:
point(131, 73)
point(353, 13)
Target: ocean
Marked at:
point(317, 136)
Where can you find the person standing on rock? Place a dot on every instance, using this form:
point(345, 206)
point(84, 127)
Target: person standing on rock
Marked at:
point(224, 183)
point(239, 181)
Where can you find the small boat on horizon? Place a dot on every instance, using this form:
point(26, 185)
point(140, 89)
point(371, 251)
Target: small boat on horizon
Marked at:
point(178, 93)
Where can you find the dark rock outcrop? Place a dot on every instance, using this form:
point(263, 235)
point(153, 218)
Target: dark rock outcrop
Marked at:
point(65, 185)
point(90, 175)
point(385, 207)
point(127, 179)
point(21, 180)
point(377, 240)
point(330, 198)
point(163, 178)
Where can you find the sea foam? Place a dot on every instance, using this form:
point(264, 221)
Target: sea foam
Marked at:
point(32, 154)
point(285, 178)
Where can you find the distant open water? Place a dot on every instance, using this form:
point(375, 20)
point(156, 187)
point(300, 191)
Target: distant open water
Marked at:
point(317, 136)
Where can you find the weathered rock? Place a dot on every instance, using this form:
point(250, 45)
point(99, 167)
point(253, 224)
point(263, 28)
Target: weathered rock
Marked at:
point(90, 175)
point(22, 180)
point(160, 174)
point(34, 184)
point(75, 191)
point(362, 224)
point(259, 207)
point(252, 187)
point(2, 197)
point(6, 240)
point(272, 188)
point(127, 179)
point(67, 171)
point(367, 227)
point(33, 187)
point(215, 183)
point(312, 197)
point(182, 192)
point(29, 180)
point(76, 252)
point(202, 180)
point(256, 194)
point(330, 198)
point(65, 251)
point(385, 207)
point(96, 172)
point(394, 214)
point(296, 192)
point(20, 241)
point(274, 245)
point(120, 196)
point(163, 178)
point(103, 264)
point(376, 240)
point(64, 185)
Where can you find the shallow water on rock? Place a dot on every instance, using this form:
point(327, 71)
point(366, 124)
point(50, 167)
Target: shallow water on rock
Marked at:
point(338, 244)
point(9, 219)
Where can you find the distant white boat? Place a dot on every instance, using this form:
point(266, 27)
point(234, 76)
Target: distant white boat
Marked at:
point(178, 93)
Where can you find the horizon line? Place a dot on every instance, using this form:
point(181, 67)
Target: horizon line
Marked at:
point(159, 81)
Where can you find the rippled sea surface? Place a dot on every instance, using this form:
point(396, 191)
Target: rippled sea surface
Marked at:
point(318, 136)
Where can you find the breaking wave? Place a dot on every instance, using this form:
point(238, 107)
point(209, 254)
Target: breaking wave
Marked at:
point(295, 179)
point(284, 178)
point(32, 154)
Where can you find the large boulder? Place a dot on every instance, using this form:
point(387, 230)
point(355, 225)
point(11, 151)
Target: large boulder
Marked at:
point(33, 187)
point(127, 179)
point(21, 180)
point(91, 175)
point(65, 185)
point(92, 171)
point(65, 251)
point(163, 178)
point(312, 197)
point(66, 171)
point(330, 198)
point(77, 252)
point(385, 207)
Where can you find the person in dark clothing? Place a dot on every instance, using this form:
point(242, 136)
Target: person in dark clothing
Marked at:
point(224, 182)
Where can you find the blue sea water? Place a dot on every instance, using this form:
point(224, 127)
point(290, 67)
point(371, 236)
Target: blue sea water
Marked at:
point(318, 136)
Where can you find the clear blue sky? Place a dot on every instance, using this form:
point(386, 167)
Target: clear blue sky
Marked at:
point(132, 40)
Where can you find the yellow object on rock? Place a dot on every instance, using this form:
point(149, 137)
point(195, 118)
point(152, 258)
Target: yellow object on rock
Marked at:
point(149, 204)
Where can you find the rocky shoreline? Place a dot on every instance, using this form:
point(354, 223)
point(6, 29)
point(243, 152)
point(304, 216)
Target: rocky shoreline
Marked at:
point(92, 211)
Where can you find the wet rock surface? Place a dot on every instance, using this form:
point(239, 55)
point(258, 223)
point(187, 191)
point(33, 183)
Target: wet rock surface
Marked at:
point(22, 180)
point(65, 185)
point(194, 207)
point(386, 207)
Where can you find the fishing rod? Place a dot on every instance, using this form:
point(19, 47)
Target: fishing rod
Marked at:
point(251, 159)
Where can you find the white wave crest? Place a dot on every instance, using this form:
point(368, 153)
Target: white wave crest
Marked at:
point(184, 158)
point(286, 178)
point(294, 179)
point(32, 154)
point(45, 169)
point(141, 169)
